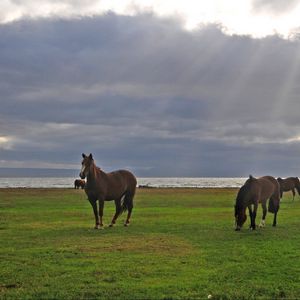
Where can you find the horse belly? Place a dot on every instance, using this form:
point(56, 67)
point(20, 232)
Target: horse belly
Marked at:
point(265, 195)
point(114, 196)
point(91, 195)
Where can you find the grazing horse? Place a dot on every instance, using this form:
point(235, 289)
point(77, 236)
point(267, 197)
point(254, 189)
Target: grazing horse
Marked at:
point(79, 183)
point(253, 192)
point(100, 186)
point(289, 184)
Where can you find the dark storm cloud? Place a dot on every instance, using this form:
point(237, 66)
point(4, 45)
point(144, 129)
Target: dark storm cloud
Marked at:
point(143, 93)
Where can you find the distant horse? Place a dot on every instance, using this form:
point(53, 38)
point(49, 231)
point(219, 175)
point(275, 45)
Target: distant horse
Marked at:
point(79, 183)
point(289, 184)
point(253, 192)
point(118, 186)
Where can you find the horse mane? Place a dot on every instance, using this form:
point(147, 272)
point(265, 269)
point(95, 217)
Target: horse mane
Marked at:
point(242, 193)
point(94, 168)
point(97, 171)
point(240, 196)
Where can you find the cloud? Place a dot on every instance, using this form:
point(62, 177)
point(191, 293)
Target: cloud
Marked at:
point(142, 92)
point(258, 18)
point(276, 7)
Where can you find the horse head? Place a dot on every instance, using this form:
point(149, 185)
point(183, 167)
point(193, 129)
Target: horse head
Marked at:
point(241, 203)
point(240, 216)
point(86, 164)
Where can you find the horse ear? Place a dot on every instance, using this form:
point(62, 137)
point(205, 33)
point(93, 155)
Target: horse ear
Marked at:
point(91, 156)
point(251, 177)
point(83, 155)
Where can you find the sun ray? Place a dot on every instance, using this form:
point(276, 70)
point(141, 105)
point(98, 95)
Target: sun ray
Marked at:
point(288, 93)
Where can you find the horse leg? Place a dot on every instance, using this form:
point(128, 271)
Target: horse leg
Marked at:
point(129, 207)
point(95, 209)
point(263, 219)
point(293, 191)
point(276, 203)
point(250, 215)
point(275, 219)
point(253, 226)
point(101, 208)
point(118, 211)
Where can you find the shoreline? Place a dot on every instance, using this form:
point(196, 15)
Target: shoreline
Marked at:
point(138, 188)
point(142, 183)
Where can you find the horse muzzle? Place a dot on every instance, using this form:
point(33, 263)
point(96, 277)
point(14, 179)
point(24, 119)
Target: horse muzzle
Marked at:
point(82, 175)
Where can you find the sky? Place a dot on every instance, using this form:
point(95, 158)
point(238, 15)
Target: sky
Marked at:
point(163, 88)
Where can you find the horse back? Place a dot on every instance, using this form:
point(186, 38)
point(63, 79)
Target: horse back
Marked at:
point(268, 187)
point(120, 182)
point(293, 182)
point(288, 183)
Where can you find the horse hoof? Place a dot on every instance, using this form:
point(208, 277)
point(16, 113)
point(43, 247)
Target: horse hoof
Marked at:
point(238, 229)
point(126, 224)
point(111, 225)
point(99, 227)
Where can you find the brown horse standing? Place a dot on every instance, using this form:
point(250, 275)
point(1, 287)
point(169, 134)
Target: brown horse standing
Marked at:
point(79, 183)
point(100, 186)
point(254, 191)
point(289, 184)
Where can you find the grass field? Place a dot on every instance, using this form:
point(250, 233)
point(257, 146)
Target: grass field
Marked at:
point(181, 244)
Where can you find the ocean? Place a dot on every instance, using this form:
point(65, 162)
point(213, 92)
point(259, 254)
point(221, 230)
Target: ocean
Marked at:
point(154, 182)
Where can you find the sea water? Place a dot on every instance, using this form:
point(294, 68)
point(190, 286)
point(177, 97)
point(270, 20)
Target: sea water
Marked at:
point(155, 182)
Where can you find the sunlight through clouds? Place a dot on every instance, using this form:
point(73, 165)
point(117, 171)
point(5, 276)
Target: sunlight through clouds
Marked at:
point(294, 139)
point(124, 80)
point(5, 143)
point(289, 82)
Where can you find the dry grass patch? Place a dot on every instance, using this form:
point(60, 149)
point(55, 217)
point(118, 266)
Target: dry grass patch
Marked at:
point(154, 244)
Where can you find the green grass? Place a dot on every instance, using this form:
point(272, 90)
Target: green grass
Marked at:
point(181, 244)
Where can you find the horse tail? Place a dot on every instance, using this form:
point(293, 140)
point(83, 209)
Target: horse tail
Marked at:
point(273, 205)
point(127, 201)
point(297, 185)
point(298, 189)
point(123, 203)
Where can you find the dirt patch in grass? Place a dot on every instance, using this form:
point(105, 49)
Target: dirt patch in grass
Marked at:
point(162, 244)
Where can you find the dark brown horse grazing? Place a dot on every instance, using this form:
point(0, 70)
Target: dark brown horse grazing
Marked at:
point(289, 184)
point(254, 191)
point(118, 186)
point(79, 183)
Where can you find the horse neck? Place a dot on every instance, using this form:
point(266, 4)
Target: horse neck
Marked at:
point(239, 204)
point(243, 196)
point(95, 174)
